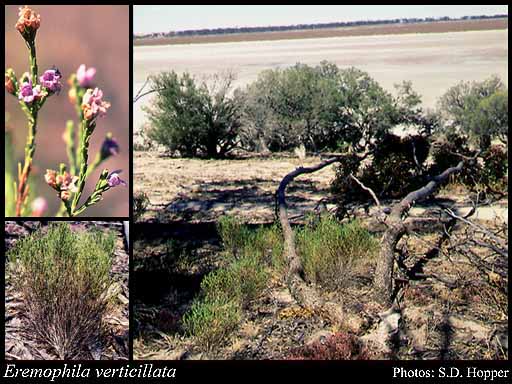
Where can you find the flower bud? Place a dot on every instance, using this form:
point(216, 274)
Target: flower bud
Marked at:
point(28, 23)
point(11, 83)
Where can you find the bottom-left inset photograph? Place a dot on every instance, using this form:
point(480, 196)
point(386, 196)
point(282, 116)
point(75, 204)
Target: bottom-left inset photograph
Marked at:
point(66, 290)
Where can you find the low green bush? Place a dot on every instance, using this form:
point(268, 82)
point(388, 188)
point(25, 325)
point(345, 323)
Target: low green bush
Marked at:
point(249, 254)
point(262, 243)
point(252, 277)
point(330, 250)
point(242, 281)
point(267, 243)
point(212, 319)
point(234, 234)
point(63, 276)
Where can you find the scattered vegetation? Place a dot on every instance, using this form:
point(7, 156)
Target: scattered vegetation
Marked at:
point(227, 290)
point(212, 320)
point(389, 148)
point(330, 252)
point(63, 276)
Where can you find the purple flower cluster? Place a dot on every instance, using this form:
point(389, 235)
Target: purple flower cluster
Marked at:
point(114, 180)
point(51, 80)
point(85, 76)
point(28, 94)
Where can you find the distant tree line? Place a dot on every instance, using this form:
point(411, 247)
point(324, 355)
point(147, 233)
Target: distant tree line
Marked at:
point(321, 108)
point(298, 27)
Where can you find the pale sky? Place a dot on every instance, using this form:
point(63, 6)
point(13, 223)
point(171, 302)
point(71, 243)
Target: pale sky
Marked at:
point(164, 18)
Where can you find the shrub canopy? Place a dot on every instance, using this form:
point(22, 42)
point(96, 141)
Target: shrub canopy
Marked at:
point(63, 276)
point(478, 110)
point(193, 119)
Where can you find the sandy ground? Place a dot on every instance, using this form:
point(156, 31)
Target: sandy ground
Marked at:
point(203, 190)
point(195, 190)
point(433, 62)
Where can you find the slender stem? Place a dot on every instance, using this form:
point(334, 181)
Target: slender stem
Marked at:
point(30, 147)
point(80, 133)
point(101, 187)
point(33, 62)
point(85, 136)
point(70, 146)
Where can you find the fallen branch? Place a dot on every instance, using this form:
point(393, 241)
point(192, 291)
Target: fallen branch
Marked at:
point(369, 190)
point(383, 279)
point(305, 295)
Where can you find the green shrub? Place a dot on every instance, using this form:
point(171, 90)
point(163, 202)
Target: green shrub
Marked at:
point(330, 250)
point(263, 243)
point(477, 110)
point(320, 107)
point(267, 244)
point(242, 280)
point(63, 277)
point(251, 275)
point(211, 320)
point(192, 118)
point(234, 234)
point(222, 283)
point(225, 291)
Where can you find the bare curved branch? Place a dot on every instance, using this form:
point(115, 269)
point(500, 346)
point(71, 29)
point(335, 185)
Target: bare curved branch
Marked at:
point(304, 294)
point(383, 279)
point(369, 190)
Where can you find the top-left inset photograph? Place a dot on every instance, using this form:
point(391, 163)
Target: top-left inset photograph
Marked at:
point(67, 105)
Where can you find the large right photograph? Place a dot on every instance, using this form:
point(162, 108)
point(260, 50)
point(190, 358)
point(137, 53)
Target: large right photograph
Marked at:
point(322, 182)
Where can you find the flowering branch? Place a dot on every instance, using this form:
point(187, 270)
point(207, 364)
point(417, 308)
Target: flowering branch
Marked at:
point(31, 99)
point(92, 106)
point(32, 91)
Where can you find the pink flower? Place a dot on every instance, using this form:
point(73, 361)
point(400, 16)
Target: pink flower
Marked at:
point(85, 76)
point(63, 183)
point(28, 21)
point(66, 182)
point(93, 104)
point(51, 178)
point(114, 180)
point(28, 93)
point(51, 80)
point(39, 206)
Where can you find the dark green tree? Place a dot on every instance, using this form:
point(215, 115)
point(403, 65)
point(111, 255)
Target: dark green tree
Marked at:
point(193, 119)
point(478, 110)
